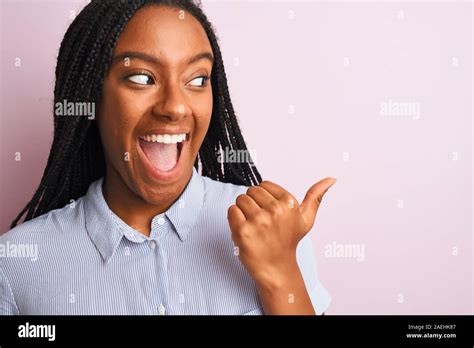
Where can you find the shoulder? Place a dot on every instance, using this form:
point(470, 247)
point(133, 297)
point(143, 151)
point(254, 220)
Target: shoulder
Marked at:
point(218, 191)
point(35, 250)
point(218, 197)
point(35, 247)
point(57, 221)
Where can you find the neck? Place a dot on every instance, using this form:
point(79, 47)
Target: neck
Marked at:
point(130, 207)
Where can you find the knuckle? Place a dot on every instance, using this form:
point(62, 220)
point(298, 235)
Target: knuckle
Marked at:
point(231, 209)
point(240, 198)
point(253, 189)
point(292, 203)
point(319, 199)
point(244, 233)
point(264, 221)
point(287, 197)
point(276, 208)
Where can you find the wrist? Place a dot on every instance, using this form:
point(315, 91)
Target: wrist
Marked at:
point(279, 279)
point(285, 293)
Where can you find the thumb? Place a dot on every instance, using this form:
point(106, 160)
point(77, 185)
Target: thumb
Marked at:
point(312, 200)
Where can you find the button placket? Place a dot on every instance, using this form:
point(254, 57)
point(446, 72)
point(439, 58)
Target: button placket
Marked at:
point(159, 228)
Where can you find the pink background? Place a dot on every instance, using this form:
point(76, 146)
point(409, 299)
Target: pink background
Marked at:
point(307, 80)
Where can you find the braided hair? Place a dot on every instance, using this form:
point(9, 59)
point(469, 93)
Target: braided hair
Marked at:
point(76, 158)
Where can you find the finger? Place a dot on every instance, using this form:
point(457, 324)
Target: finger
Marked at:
point(235, 216)
point(312, 200)
point(277, 191)
point(261, 196)
point(247, 205)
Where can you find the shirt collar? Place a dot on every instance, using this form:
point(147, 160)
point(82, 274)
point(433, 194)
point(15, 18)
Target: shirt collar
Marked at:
point(106, 229)
point(184, 212)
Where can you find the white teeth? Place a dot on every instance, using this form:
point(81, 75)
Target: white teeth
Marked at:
point(165, 138)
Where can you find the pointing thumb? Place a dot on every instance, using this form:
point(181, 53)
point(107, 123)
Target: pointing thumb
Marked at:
point(312, 200)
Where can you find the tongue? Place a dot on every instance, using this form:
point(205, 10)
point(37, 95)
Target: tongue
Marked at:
point(162, 156)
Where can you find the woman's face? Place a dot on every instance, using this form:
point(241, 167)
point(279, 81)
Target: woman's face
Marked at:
point(157, 92)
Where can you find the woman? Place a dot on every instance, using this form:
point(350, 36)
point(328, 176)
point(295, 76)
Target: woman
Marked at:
point(122, 220)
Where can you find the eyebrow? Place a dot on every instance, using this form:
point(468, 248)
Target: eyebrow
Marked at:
point(147, 58)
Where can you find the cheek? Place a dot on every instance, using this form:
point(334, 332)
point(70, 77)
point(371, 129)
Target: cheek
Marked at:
point(117, 120)
point(203, 112)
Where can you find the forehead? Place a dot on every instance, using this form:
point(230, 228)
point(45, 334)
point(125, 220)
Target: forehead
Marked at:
point(166, 32)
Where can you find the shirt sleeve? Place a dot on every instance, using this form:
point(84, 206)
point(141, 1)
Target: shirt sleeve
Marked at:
point(7, 301)
point(306, 259)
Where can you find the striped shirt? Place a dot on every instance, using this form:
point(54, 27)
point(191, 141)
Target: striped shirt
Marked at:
point(83, 259)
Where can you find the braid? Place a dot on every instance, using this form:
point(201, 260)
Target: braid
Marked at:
point(230, 135)
point(76, 158)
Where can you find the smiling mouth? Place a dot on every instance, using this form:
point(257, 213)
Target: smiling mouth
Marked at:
point(163, 150)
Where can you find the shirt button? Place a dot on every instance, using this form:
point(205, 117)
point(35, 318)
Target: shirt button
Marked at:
point(152, 244)
point(161, 221)
point(161, 309)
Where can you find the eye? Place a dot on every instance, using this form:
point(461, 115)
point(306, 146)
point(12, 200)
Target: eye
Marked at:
point(199, 81)
point(141, 79)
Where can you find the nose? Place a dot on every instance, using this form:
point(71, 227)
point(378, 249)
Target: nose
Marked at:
point(171, 103)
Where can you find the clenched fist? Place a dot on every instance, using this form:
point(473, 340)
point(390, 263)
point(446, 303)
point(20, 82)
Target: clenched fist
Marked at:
point(267, 224)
